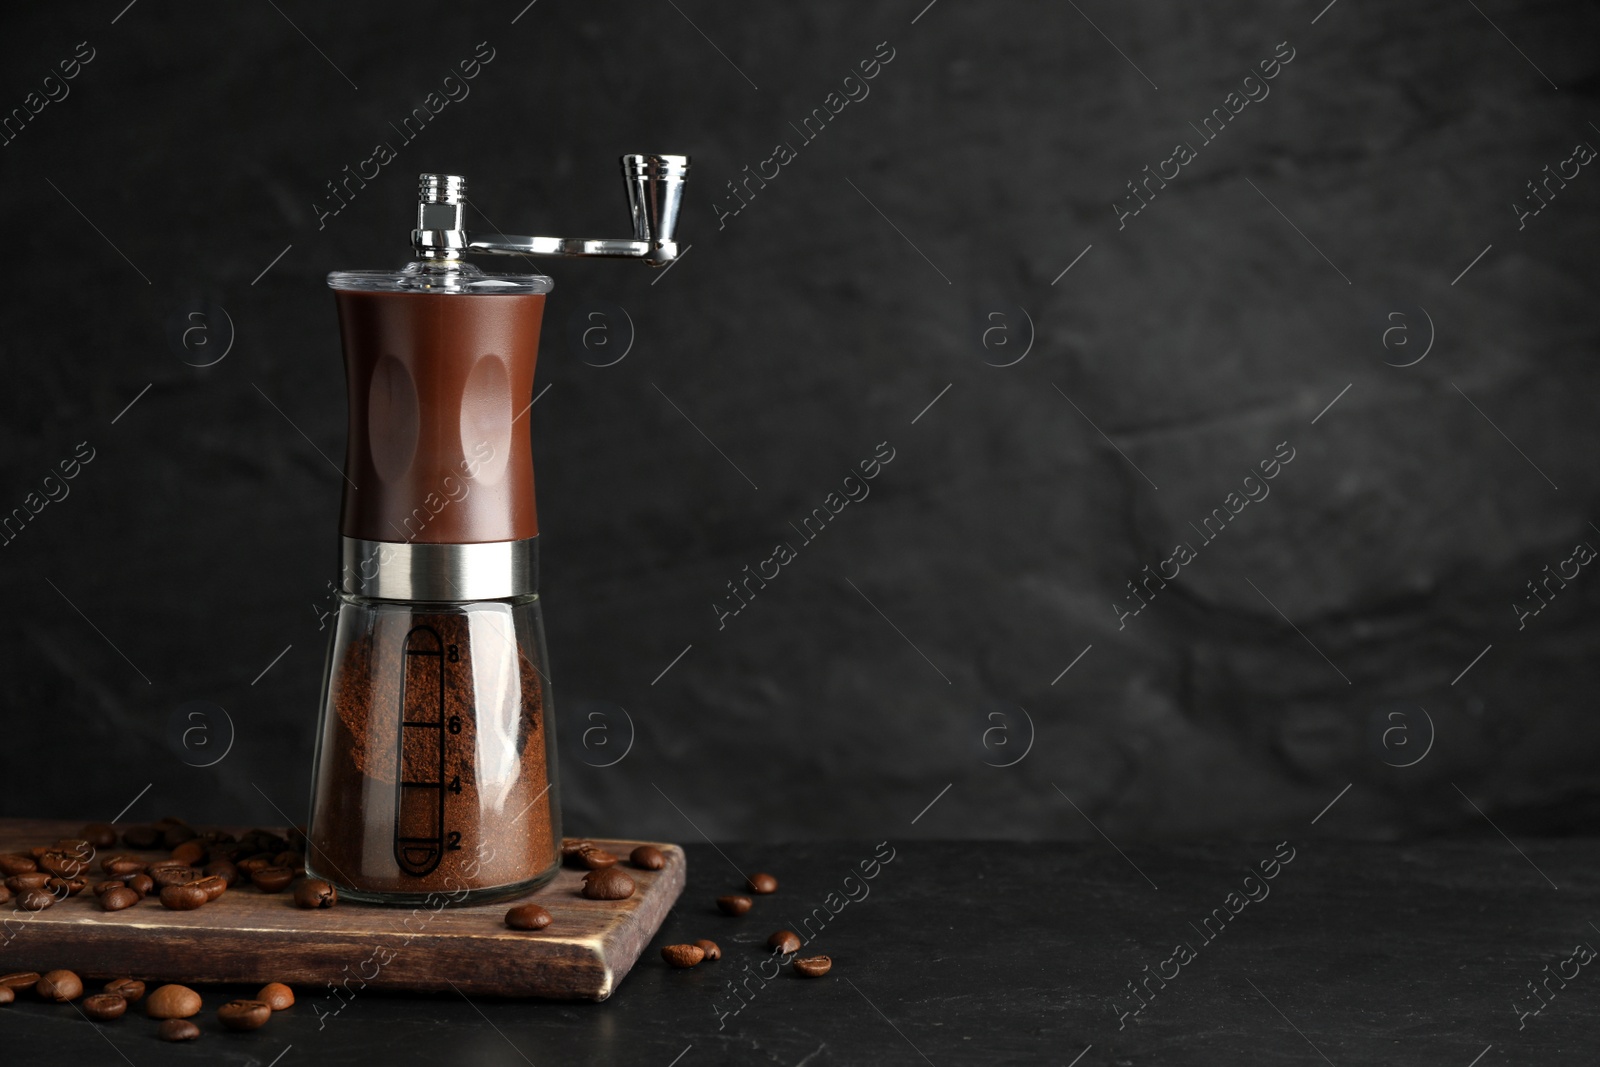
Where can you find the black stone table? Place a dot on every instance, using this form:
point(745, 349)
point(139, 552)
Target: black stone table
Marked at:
point(995, 953)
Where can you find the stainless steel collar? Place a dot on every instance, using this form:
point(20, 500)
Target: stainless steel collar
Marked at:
point(392, 570)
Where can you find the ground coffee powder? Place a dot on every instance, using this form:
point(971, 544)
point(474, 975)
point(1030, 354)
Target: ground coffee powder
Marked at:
point(434, 774)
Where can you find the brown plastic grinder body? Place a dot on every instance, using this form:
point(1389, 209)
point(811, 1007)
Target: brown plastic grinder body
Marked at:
point(439, 385)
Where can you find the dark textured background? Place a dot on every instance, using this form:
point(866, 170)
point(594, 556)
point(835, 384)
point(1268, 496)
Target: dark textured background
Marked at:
point(199, 540)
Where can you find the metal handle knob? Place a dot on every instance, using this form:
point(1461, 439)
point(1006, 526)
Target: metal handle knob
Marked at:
point(655, 193)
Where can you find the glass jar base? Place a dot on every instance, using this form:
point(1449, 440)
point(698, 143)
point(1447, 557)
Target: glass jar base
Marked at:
point(438, 897)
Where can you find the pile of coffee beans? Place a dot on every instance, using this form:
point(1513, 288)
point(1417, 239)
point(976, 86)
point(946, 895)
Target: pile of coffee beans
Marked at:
point(173, 1006)
point(200, 866)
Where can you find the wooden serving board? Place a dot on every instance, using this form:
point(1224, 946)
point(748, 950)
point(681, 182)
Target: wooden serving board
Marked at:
point(253, 937)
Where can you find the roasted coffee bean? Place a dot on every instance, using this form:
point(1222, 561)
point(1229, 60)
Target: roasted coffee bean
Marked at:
point(104, 1006)
point(100, 835)
point(785, 941)
point(66, 887)
point(142, 838)
point(183, 897)
point(165, 874)
point(250, 859)
point(21, 883)
point(813, 966)
point(222, 869)
point(123, 865)
point(272, 879)
point(118, 898)
point(213, 887)
point(129, 989)
point(596, 859)
point(176, 833)
point(244, 1014)
point(35, 899)
point(276, 996)
point(142, 884)
point(172, 1002)
point(712, 950)
point(64, 864)
point(528, 917)
point(178, 1030)
point(20, 979)
point(103, 887)
point(682, 956)
point(190, 853)
point(38, 850)
point(251, 864)
point(7, 994)
point(734, 905)
point(608, 883)
point(315, 893)
point(5, 894)
point(576, 852)
point(763, 883)
point(59, 986)
point(648, 858)
point(76, 847)
point(16, 863)
point(290, 859)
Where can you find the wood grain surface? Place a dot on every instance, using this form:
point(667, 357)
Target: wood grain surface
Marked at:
point(250, 936)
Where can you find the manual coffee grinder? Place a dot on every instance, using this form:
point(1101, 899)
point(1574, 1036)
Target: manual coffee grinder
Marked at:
point(435, 773)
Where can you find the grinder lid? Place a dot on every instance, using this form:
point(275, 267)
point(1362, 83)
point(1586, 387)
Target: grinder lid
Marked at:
point(444, 277)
